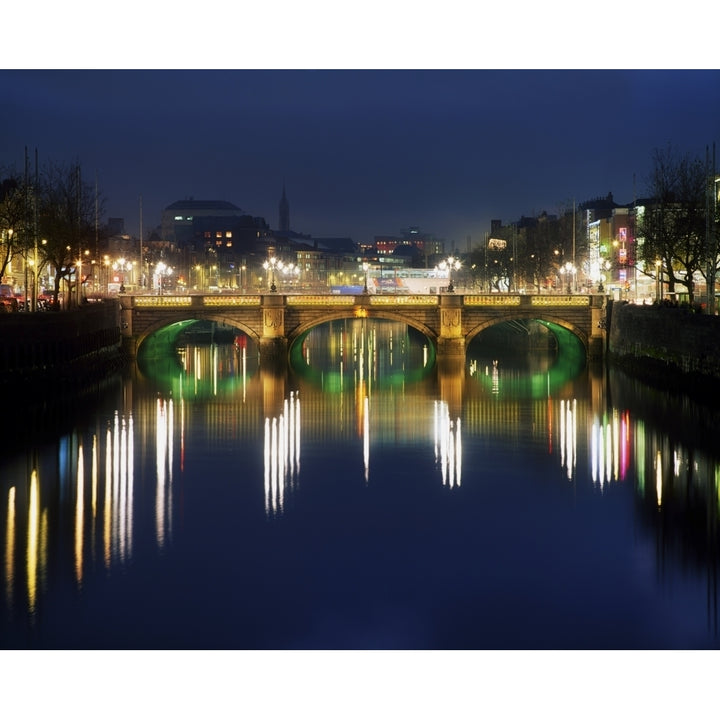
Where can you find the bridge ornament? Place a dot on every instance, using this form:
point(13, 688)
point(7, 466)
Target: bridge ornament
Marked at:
point(231, 300)
point(560, 300)
point(162, 301)
point(491, 300)
point(324, 300)
point(403, 300)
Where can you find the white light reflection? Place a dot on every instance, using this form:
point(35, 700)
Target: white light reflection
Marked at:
point(568, 436)
point(610, 449)
point(366, 437)
point(118, 503)
point(448, 445)
point(33, 544)
point(658, 478)
point(107, 512)
point(79, 510)
point(163, 467)
point(281, 452)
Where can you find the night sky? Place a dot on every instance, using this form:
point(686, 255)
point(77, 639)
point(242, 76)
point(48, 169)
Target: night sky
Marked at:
point(361, 152)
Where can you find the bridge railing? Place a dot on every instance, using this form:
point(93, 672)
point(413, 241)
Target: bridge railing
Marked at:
point(334, 300)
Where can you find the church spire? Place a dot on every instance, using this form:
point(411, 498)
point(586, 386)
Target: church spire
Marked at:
point(284, 224)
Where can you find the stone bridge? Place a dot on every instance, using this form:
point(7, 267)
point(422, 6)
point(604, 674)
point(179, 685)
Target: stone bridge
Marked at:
point(449, 320)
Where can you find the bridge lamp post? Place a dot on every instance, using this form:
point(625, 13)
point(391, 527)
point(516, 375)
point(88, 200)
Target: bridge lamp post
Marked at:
point(270, 266)
point(569, 270)
point(452, 263)
point(162, 271)
point(119, 266)
point(366, 267)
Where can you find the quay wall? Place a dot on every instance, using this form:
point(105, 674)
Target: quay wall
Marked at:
point(665, 344)
point(67, 347)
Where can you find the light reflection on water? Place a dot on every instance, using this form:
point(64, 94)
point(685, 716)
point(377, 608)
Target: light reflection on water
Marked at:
point(191, 478)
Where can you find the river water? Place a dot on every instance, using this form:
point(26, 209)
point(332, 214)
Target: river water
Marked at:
point(363, 499)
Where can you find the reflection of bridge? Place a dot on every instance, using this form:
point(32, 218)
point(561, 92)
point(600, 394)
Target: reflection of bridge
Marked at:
point(450, 321)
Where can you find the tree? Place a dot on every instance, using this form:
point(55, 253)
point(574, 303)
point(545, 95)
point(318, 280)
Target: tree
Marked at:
point(14, 219)
point(67, 213)
point(671, 228)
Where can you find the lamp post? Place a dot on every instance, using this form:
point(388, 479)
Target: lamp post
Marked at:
point(120, 265)
point(161, 271)
point(452, 263)
point(366, 267)
point(568, 270)
point(270, 266)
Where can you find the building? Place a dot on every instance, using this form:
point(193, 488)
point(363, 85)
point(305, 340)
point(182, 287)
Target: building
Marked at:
point(212, 243)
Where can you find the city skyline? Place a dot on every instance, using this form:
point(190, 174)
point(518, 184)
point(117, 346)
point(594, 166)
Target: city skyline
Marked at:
point(359, 153)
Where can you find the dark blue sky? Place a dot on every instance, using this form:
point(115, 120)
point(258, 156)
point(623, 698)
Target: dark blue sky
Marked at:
point(362, 153)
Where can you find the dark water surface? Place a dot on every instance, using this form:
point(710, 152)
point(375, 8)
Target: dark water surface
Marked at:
point(365, 499)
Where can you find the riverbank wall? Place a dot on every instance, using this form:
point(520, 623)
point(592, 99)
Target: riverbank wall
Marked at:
point(665, 344)
point(69, 348)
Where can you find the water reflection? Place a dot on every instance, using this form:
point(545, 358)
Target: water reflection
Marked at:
point(209, 464)
point(448, 445)
point(281, 455)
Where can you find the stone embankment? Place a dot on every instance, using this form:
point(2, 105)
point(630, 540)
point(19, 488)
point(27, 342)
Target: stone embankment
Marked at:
point(665, 344)
point(43, 349)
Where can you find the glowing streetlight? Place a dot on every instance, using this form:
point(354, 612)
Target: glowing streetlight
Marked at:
point(161, 272)
point(270, 265)
point(568, 270)
point(452, 263)
point(366, 267)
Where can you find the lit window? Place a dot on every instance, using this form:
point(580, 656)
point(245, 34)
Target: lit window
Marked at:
point(218, 233)
point(178, 217)
point(228, 243)
point(207, 234)
point(228, 233)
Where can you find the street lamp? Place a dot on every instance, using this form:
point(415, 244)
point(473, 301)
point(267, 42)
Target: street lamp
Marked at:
point(161, 271)
point(120, 265)
point(270, 266)
point(366, 267)
point(569, 270)
point(452, 263)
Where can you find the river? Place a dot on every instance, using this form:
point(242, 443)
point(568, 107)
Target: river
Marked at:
point(364, 499)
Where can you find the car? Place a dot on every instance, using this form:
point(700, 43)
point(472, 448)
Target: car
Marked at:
point(8, 301)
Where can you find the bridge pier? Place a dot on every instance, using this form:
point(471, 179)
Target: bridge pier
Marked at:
point(451, 340)
point(273, 342)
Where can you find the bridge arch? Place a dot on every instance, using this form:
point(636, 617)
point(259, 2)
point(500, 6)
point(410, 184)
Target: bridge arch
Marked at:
point(550, 322)
point(303, 328)
point(183, 320)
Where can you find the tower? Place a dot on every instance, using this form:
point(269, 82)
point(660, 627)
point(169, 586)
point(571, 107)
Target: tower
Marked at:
point(284, 224)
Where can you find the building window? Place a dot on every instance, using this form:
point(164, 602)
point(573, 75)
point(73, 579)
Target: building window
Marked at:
point(228, 233)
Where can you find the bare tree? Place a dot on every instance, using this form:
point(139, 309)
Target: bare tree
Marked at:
point(67, 211)
point(14, 219)
point(671, 229)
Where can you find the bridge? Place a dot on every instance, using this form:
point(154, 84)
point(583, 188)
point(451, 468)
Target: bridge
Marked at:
point(449, 320)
